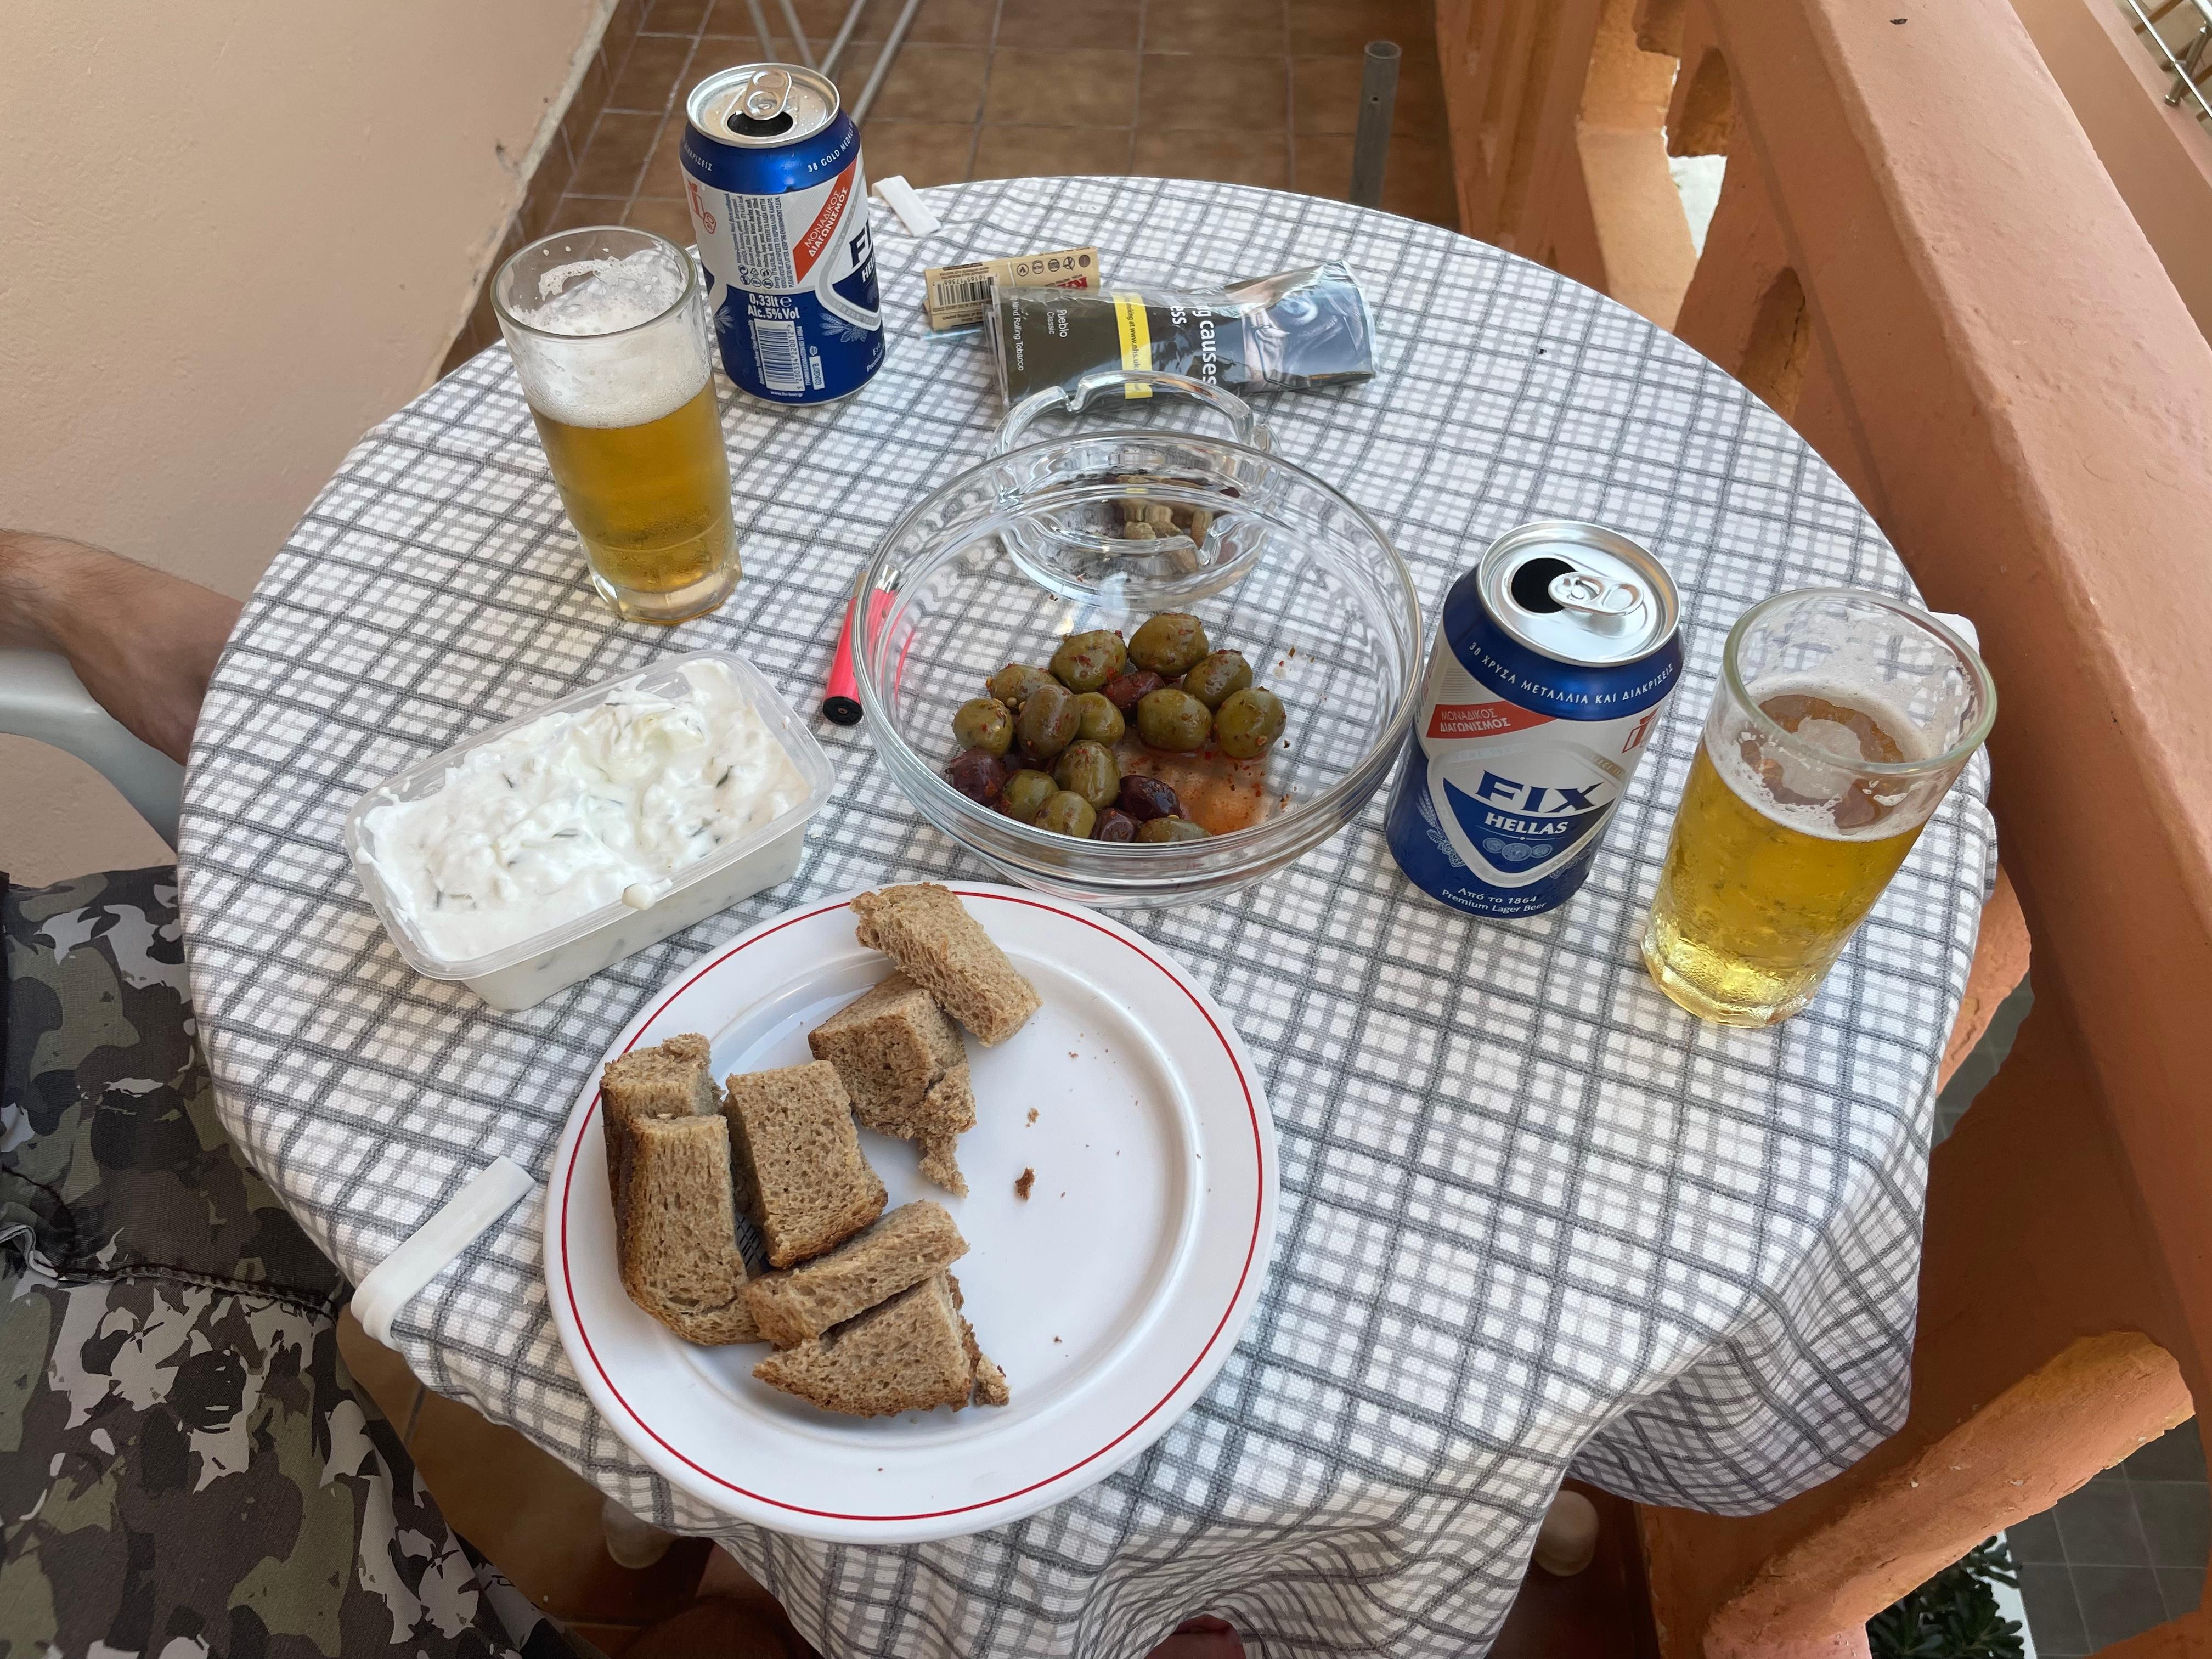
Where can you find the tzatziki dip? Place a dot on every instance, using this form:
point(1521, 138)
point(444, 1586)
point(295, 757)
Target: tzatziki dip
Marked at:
point(579, 809)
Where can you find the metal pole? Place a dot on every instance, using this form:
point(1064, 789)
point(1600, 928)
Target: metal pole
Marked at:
point(760, 27)
point(1378, 96)
point(884, 63)
point(799, 34)
point(844, 33)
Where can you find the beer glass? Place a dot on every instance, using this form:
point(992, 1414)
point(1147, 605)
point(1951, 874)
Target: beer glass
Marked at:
point(1840, 720)
point(609, 333)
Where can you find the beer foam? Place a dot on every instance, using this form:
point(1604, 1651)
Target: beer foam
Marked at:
point(1908, 802)
point(623, 381)
point(611, 294)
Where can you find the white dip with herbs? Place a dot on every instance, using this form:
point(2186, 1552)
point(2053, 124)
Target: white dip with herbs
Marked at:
point(579, 809)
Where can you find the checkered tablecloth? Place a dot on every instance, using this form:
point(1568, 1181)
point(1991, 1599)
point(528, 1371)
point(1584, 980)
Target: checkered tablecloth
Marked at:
point(1533, 1218)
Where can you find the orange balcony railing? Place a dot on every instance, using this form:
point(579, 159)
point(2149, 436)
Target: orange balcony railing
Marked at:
point(1919, 261)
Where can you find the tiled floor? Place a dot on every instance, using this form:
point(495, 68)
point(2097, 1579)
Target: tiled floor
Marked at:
point(1262, 92)
point(2124, 1553)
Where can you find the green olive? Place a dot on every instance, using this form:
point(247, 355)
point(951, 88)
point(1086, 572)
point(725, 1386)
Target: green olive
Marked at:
point(1174, 720)
point(1088, 769)
point(1049, 719)
point(1025, 793)
point(1248, 722)
point(1159, 830)
point(1086, 661)
point(1216, 676)
point(1068, 814)
point(983, 723)
point(1096, 718)
point(1170, 643)
point(1012, 684)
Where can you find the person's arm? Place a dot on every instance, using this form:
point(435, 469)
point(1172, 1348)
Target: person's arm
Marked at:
point(143, 643)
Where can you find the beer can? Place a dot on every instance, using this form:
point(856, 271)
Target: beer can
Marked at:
point(780, 208)
point(1554, 663)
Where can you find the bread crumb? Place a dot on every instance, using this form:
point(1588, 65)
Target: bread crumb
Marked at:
point(1023, 1183)
point(1032, 1114)
point(1071, 1053)
point(1056, 1339)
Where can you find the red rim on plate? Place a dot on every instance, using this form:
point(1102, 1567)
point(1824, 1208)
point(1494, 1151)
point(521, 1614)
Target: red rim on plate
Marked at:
point(561, 1192)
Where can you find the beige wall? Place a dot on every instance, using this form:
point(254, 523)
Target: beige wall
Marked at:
point(232, 238)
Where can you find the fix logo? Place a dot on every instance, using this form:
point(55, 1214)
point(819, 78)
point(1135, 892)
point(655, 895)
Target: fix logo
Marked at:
point(1643, 730)
point(706, 220)
point(1537, 798)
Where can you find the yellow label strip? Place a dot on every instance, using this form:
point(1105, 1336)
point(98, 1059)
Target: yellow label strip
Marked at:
point(1135, 330)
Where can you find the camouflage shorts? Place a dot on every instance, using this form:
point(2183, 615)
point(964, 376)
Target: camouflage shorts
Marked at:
point(186, 1468)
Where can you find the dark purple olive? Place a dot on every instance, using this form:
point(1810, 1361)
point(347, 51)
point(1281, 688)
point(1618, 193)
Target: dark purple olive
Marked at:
point(979, 774)
point(1113, 824)
point(1145, 799)
point(1126, 691)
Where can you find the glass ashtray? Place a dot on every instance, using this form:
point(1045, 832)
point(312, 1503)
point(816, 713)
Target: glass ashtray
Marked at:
point(1140, 443)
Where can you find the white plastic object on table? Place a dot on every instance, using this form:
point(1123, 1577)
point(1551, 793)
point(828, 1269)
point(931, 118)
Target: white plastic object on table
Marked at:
point(906, 201)
point(41, 698)
point(526, 973)
point(399, 1277)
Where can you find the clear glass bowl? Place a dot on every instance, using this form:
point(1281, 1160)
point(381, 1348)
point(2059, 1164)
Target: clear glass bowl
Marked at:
point(1317, 599)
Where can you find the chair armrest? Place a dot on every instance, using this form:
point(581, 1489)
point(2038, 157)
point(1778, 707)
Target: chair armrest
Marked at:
point(42, 698)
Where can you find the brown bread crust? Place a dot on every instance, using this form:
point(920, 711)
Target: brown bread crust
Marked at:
point(670, 1079)
point(799, 1171)
point(908, 1354)
point(924, 928)
point(676, 1229)
point(902, 1249)
point(889, 1045)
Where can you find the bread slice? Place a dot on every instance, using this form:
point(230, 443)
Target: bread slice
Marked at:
point(903, 1249)
point(903, 1062)
point(670, 1079)
point(911, 1354)
point(929, 934)
point(888, 1046)
point(799, 1170)
point(991, 1388)
point(947, 1112)
point(676, 1229)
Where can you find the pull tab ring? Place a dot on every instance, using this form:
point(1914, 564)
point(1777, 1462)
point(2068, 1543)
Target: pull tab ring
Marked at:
point(767, 96)
point(1591, 594)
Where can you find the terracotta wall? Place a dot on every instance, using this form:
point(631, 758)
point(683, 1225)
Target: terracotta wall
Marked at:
point(231, 239)
point(2161, 158)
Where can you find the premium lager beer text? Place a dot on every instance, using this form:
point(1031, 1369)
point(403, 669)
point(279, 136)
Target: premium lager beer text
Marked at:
point(1553, 665)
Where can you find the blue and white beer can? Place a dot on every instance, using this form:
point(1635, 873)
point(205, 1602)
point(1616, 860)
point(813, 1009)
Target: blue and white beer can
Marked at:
point(1554, 664)
point(780, 208)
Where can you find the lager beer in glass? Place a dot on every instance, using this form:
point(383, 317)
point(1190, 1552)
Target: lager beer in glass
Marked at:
point(609, 338)
point(1840, 720)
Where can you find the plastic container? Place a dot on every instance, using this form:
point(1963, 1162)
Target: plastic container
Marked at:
point(530, 969)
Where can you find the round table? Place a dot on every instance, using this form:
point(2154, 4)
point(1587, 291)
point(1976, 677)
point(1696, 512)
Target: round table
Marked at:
point(1534, 1219)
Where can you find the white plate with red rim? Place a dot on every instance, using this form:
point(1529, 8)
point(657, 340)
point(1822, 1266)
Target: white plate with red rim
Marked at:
point(1111, 1296)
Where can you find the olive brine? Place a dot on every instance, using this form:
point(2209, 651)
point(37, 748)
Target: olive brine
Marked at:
point(1039, 746)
